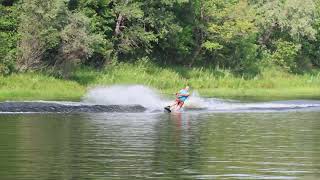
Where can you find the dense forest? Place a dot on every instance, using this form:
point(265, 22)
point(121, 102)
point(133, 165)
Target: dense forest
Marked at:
point(240, 35)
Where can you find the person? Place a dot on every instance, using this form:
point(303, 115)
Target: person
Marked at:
point(181, 97)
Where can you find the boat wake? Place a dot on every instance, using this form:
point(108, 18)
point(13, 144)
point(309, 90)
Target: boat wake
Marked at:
point(138, 98)
point(64, 107)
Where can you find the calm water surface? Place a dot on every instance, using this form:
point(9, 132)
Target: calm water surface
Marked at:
point(274, 145)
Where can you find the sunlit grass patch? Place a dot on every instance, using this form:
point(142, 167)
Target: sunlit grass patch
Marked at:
point(270, 84)
point(32, 86)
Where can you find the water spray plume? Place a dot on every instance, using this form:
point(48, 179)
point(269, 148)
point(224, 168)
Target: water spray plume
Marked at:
point(125, 95)
point(152, 100)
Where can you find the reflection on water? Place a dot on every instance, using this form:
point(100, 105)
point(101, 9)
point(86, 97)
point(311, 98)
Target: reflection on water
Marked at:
point(160, 146)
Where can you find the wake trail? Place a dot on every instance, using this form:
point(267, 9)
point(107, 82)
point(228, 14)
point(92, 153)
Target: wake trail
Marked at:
point(139, 98)
point(126, 95)
point(152, 100)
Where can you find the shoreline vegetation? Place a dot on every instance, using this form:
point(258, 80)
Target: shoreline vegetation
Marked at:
point(249, 50)
point(270, 84)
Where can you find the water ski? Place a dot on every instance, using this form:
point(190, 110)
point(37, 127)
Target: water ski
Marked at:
point(167, 108)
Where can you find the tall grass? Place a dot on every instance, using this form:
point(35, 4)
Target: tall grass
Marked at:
point(270, 84)
point(33, 86)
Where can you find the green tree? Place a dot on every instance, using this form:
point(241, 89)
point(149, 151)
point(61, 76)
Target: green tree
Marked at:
point(56, 37)
point(41, 22)
point(286, 28)
point(293, 17)
point(225, 35)
point(231, 34)
point(8, 36)
point(77, 44)
point(285, 55)
point(169, 22)
point(102, 21)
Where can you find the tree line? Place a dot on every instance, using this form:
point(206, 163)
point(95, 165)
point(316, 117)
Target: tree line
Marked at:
point(240, 35)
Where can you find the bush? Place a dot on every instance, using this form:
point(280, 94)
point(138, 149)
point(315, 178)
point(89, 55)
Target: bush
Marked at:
point(8, 39)
point(285, 55)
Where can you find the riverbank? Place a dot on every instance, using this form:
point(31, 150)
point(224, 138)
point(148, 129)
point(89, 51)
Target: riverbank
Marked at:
point(271, 84)
point(33, 86)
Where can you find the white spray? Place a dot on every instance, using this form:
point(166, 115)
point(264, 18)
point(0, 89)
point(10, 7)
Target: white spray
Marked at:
point(125, 95)
point(149, 98)
point(195, 101)
point(136, 95)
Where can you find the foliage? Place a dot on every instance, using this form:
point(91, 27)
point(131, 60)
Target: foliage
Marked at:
point(57, 38)
point(42, 35)
point(8, 38)
point(294, 17)
point(242, 36)
point(285, 55)
point(77, 43)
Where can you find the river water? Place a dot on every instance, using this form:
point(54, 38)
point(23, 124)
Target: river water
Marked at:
point(157, 145)
point(123, 133)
